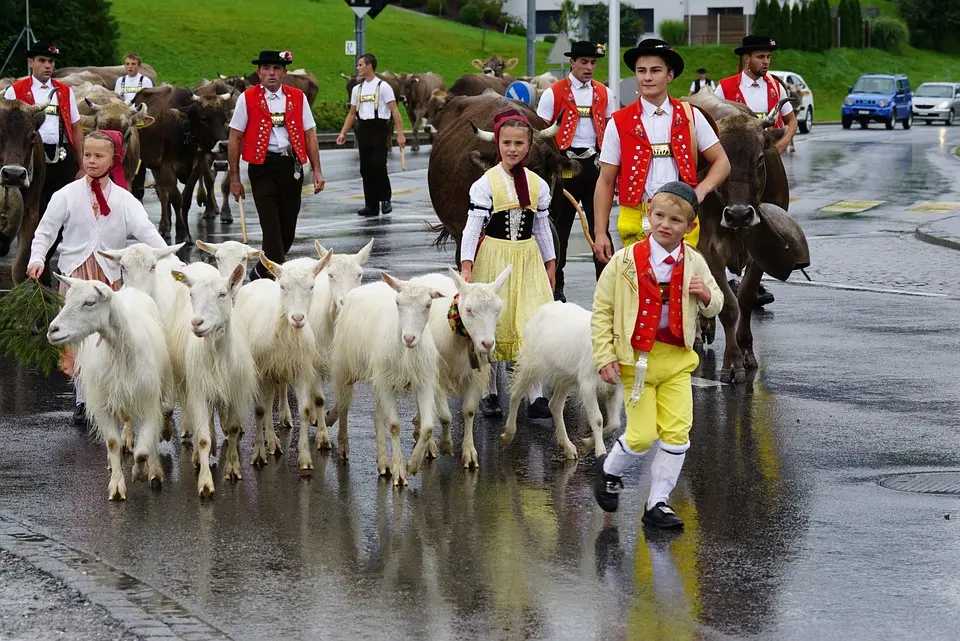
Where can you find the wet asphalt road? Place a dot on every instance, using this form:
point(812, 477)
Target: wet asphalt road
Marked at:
point(788, 534)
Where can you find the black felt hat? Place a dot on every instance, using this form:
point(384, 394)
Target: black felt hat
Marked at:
point(274, 58)
point(702, 70)
point(756, 43)
point(654, 47)
point(44, 48)
point(586, 49)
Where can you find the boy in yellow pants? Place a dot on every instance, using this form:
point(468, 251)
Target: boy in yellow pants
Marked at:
point(644, 317)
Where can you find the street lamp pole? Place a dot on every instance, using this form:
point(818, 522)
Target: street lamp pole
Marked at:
point(613, 50)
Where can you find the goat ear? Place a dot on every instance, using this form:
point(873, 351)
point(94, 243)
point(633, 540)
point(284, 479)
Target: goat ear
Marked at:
point(115, 256)
point(211, 248)
point(236, 278)
point(321, 250)
point(66, 280)
point(103, 291)
point(323, 262)
point(436, 294)
point(477, 63)
point(502, 278)
point(181, 276)
point(457, 279)
point(274, 268)
point(168, 251)
point(363, 255)
point(395, 283)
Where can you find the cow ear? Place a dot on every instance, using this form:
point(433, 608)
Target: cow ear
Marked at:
point(179, 113)
point(569, 167)
point(483, 160)
point(477, 63)
point(511, 63)
point(771, 136)
point(87, 123)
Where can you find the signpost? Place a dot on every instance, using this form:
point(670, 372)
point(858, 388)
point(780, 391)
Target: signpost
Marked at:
point(362, 9)
point(522, 91)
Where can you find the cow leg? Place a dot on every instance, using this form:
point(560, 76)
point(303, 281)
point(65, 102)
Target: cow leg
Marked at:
point(136, 187)
point(225, 216)
point(747, 299)
point(183, 228)
point(209, 183)
point(165, 182)
point(733, 370)
point(415, 119)
point(187, 194)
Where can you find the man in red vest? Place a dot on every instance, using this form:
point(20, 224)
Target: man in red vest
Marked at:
point(586, 106)
point(653, 141)
point(273, 130)
point(61, 132)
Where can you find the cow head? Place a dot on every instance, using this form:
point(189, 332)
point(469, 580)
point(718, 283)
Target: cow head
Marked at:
point(494, 66)
point(116, 115)
point(18, 153)
point(205, 118)
point(351, 81)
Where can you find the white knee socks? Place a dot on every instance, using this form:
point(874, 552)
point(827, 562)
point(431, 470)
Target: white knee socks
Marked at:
point(495, 370)
point(665, 470)
point(620, 458)
point(77, 394)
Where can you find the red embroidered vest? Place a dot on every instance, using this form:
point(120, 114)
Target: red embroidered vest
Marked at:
point(636, 152)
point(260, 122)
point(647, 327)
point(23, 89)
point(563, 100)
point(731, 92)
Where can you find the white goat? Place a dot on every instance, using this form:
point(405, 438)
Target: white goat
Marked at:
point(466, 350)
point(121, 369)
point(229, 254)
point(382, 338)
point(557, 349)
point(220, 370)
point(273, 315)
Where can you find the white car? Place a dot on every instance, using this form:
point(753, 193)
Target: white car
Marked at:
point(804, 112)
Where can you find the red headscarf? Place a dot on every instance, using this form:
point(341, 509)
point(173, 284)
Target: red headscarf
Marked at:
point(115, 171)
point(518, 172)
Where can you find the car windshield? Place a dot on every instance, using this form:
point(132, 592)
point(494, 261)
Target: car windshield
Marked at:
point(934, 91)
point(874, 85)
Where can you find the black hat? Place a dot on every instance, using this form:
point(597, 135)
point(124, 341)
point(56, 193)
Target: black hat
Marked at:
point(756, 43)
point(654, 47)
point(702, 70)
point(44, 48)
point(586, 49)
point(274, 58)
point(683, 190)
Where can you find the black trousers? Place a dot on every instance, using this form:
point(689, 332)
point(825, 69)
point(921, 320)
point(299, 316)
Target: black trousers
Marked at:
point(565, 217)
point(372, 137)
point(276, 193)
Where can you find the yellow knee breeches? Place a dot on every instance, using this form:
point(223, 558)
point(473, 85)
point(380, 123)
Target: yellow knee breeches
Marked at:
point(630, 225)
point(665, 408)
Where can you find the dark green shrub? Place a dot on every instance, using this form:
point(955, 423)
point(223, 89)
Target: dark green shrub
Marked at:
point(471, 14)
point(674, 32)
point(889, 34)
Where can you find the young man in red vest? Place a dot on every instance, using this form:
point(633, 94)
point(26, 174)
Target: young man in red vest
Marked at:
point(644, 320)
point(61, 132)
point(273, 130)
point(586, 106)
point(654, 141)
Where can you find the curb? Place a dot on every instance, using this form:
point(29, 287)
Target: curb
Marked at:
point(139, 608)
point(927, 234)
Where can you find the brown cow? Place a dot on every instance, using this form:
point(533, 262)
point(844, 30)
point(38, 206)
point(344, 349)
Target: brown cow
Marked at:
point(186, 127)
point(388, 77)
point(117, 115)
point(298, 78)
point(22, 171)
point(463, 150)
point(744, 222)
point(469, 84)
point(416, 90)
point(495, 66)
point(108, 75)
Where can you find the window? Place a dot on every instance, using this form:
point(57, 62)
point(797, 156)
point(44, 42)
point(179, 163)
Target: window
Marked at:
point(548, 21)
point(933, 91)
point(646, 16)
point(874, 85)
point(725, 11)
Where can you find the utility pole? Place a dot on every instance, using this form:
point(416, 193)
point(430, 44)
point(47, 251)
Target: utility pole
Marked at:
point(531, 38)
point(613, 50)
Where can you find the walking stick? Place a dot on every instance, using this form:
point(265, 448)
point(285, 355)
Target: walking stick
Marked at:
point(243, 221)
point(403, 160)
point(583, 216)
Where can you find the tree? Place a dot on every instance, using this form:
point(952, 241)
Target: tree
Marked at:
point(569, 21)
point(84, 30)
point(796, 27)
point(784, 29)
point(598, 24)
point(933, 25)
point(760, 18)
point(843, 14)
point(856, 14)
point(825, 25)
point(773, 20)
point(803, 27)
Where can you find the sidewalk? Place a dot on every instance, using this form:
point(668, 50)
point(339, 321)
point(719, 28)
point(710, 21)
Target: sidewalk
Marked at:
point(944, 232)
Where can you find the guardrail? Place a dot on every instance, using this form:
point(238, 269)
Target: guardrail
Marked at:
point(328, 140)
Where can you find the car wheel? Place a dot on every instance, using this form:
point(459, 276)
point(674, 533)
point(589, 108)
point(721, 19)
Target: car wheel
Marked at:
point(908, 121)
point(949, 120)
point(891, 121)
point(807, 125)
point(846, 122)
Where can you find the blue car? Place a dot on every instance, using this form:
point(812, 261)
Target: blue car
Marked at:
point(882, 98)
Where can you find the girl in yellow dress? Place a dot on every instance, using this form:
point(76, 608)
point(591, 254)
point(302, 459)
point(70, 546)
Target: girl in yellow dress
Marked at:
point(509, 219)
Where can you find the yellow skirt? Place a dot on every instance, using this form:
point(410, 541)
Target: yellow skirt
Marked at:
point(630, 226)
point(525, 291)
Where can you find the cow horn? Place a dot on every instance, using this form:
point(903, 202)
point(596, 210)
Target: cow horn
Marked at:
point(771, 118)
point(481, 134)
point(552, 130)
point(344, 76)
point(225, 96)
point(196, 98)
point(139, 112)
point(93, 105)
point(221, 76)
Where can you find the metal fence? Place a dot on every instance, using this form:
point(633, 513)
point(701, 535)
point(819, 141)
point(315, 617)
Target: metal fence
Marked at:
point(730, 29)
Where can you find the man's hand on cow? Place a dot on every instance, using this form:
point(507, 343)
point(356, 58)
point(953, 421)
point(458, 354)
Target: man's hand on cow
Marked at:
point(610, 373)
point(401, 140)
point(699, 289)
point(602, 247)
point(341, 138)
point(782, 145)
point(34, 270)
point(701, 193)
point(236, 188)
point(318, 182)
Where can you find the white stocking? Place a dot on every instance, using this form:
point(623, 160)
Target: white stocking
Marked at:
point(620, 458)
point(665, 470)
point(494, 372)
point(77, 394)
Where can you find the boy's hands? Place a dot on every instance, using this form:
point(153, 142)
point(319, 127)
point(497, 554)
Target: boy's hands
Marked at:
point(699, 289)
point(610, 373)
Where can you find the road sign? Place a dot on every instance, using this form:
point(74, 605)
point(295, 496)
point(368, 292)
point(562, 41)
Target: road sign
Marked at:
point(560, 47)
point(371, 8)
point(350, 47)
point(522, 91)
point(628, 91)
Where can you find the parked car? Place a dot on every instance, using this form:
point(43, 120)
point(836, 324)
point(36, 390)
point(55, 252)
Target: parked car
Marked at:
point(804, 110)
point(885, 98)
point(934, 101)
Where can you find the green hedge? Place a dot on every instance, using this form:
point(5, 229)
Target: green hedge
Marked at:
point(674, 32)
point(330, 114)
point(889, 34)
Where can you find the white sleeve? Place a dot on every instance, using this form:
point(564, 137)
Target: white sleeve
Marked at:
point(543, 205)
point(308, 121)
point(50, 223)
point(719, 92)
point(693, 86)
point(74, 113)
point(706, 136)
point(481, 196)
point(471, 236)
point(611, 103)
point(147, 83)
point(139, 225)
point(118, 86)
point(541, 231)
point(610, 151)
point(386, 93)
point(355, 95)
point(10, 94)
point(787, 108)
point(545, 106)
point(239, 120)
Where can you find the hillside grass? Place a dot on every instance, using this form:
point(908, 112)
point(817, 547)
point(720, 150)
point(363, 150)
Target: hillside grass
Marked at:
point(186, 41)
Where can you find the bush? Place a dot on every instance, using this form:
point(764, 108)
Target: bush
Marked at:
point(471, 14)
point(889, 34)
point(84, 29)
point(551, 38)
point(517, 30)
point(674, 32)
point(411, 4)
point(438, 7)
point(599, 19)
point(493, 12)
point(330, 115)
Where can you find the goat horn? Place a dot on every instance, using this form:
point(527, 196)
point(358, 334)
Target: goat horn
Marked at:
point(481, 134)
point(344, 76)
point(196, 98)
point(771, 118)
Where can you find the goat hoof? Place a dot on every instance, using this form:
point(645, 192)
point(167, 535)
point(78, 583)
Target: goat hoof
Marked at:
point(306, 463)
point(117, 490)
point(569, 451)
point(432, 450)
point(324, 442)
point(331, 417)
point(740, 376)
point(726, 375)
point(343, 450)
point(156, 481)
point(273, 447)
point(446, 446)
point(468, 458)
point(506, 439)
point(400, 480)
point(259, 456)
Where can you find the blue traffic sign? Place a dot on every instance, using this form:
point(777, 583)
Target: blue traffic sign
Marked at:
point(522, 91)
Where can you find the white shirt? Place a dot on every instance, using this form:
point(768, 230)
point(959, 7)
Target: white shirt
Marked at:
point(755, 93)
point(127, 86)
point(369, 88)
point(50, 130)
point(663, 271)
point(662, 170)
point(586, 135)
point(85, 233)
point(276, 103)
point(704, 83)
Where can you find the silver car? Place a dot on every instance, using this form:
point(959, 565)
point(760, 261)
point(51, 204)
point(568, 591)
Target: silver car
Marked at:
point(937, 101)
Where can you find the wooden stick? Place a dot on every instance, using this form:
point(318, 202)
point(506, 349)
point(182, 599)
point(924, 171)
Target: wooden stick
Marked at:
point(583, 216)
point(403, 160)
point(243, 221)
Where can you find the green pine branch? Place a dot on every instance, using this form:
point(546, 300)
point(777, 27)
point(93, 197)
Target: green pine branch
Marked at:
point(25, 315)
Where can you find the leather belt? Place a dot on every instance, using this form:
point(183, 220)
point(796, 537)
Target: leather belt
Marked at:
point(662, 150)
point(588, 153)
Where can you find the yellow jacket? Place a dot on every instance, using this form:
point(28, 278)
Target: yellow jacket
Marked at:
point(616, 301)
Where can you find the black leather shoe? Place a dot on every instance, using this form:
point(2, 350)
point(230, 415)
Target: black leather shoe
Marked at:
point(386, 207)
point(606, 487)
point(558, 294)
point(368, 212)
point(764, 297)
point(490, 406)
point(539, 409)
point(80, 415)
point(662, 516)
